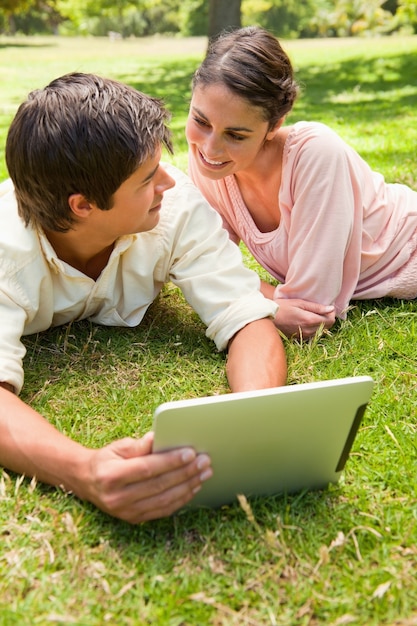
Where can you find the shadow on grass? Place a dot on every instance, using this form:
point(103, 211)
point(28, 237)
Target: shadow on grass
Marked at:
point(192, 532)
point(371, 94)
point(20, 44)
point(121, 373)
point(171, 82)
point(366, 92)
point(320, 83)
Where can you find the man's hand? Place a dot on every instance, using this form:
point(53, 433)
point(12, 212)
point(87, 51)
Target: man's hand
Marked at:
point(129, 482)
point(124, 479)
point(301, 318)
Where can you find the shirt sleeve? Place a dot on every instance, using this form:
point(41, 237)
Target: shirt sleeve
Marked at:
point(321, 211)
point(12, 311)
point(209, 270)
point(12, 350)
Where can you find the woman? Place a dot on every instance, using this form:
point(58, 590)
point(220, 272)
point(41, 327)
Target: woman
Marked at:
point(306, 205)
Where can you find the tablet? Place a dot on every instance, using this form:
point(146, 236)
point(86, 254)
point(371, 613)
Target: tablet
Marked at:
point(271, 441)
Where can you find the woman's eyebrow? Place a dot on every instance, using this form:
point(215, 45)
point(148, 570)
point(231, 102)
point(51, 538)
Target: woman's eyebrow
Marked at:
point(229, 128)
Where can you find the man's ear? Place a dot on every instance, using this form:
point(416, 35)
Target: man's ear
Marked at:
point(79, 205)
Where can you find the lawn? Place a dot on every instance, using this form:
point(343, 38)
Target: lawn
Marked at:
point(345, 555)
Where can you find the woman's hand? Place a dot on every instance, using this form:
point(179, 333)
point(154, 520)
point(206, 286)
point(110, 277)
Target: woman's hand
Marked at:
point(302, 319)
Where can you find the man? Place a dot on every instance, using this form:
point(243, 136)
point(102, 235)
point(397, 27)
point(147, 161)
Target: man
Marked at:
point(92, 226)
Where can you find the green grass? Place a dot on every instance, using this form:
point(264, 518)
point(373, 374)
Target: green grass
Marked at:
point(347, 555)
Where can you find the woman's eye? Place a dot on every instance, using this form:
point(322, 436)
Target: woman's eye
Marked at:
point(200, 122)
point(204, 124)
point(236, 137)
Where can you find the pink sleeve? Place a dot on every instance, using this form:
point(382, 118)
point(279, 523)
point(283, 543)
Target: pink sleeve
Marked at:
point(322, 215)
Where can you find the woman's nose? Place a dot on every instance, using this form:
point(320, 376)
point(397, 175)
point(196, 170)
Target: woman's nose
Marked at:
point(212, 146)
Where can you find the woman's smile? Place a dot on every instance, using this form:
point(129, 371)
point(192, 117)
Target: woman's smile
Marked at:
point(212, 162)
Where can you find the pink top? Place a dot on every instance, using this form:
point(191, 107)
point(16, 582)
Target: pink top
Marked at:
point(344, 232)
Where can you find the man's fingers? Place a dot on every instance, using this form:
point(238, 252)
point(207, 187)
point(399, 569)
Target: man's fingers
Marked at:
point(130, 448)
point(114, 470)
point(134, 486)
point(164, 470)
point(167, 501)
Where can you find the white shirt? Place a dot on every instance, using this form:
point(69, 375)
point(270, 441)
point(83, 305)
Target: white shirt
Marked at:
point(188, 247)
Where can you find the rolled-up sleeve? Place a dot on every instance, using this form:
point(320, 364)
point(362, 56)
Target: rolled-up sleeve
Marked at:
point(12, 351)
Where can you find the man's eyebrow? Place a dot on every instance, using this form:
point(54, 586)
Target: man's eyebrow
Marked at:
point(150, 175)
point(228, 128)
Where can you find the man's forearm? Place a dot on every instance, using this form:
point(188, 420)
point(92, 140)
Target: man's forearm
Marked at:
point(30, 445)
point(123, 478)
point(256, 358)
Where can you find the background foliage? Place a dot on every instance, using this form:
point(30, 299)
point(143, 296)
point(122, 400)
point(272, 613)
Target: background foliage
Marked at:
point(286, 18)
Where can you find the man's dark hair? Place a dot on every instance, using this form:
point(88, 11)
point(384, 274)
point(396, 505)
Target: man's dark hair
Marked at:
point(80, 134)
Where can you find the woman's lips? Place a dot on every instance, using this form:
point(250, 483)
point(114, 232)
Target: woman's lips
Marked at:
point(211, 162)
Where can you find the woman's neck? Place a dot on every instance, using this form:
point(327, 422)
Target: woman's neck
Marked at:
point(259, 185)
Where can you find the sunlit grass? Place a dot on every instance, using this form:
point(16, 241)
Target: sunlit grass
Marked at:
point(347, 555)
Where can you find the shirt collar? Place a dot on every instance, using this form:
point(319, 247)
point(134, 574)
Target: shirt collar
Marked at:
point(122, 244)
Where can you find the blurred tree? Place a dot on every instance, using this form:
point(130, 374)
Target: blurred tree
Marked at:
point(322, 18)
point(10, 8)
point(125, 18)
point(285, 18)
point(194, 17)
point(391, 6)
point(406, 16)
point(223, 14)
point(40, 17)
point(357, 17)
